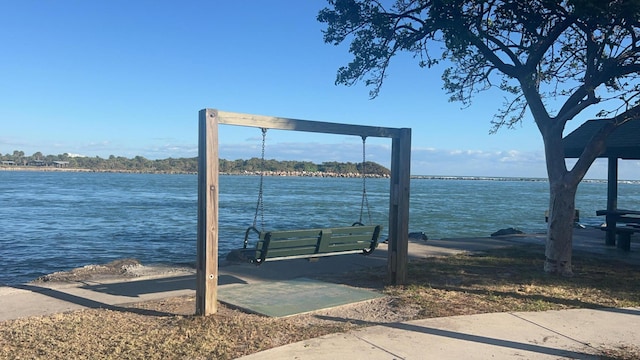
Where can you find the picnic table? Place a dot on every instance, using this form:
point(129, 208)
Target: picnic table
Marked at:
point(631, 219)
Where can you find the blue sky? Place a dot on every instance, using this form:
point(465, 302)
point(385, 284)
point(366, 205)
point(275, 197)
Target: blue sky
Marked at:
point(128, 78)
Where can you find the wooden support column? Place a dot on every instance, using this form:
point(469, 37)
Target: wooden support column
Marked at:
point(398, 253)
point(612, 199)
point(207, 241)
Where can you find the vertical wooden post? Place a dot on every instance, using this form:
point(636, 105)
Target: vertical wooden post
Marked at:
point(612, 199)
point(398, 253)
point(207, 242)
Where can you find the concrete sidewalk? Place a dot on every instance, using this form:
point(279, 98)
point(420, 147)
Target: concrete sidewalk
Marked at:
point(27, 300)
point(565, 334)
point(571, 334)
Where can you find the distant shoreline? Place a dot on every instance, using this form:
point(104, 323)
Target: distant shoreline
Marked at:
point(247, 173)
point(304, 174)
point(58, 169)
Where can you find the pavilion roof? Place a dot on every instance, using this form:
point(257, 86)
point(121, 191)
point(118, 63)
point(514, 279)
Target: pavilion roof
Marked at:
point(623, 143)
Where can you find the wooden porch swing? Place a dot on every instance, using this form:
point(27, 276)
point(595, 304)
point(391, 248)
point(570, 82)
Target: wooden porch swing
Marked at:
point(307, 243)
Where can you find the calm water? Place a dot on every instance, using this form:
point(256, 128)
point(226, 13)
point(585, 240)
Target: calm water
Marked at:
point(52, 221)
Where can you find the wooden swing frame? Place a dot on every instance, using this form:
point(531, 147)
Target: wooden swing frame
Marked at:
point(208, 172)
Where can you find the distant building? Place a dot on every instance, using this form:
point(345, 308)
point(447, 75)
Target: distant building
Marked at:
point(60, 164)
point(8, 162)
point(36, 163)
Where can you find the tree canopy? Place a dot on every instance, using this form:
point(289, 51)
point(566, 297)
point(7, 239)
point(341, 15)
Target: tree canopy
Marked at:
point(555, 59)
point(533, 50)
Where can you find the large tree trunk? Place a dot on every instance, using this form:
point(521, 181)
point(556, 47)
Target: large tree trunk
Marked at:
point(563, 185)
point(562, 194)
point(559, 244)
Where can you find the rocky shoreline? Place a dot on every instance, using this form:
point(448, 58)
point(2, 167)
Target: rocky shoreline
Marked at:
point(115, 270)
point(307, 174)
point(246, 173)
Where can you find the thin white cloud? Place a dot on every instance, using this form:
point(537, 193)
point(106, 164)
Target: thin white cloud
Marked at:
point(473, 162)
point(424, 161)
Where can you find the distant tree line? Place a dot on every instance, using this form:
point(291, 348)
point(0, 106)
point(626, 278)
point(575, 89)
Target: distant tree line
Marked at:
point(255, 165)
point(186, 165)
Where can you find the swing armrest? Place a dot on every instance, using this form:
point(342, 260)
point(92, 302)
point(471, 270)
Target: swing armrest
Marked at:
point(246, 235)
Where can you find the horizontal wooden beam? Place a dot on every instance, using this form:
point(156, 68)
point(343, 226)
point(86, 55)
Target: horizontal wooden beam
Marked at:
point(271, 122)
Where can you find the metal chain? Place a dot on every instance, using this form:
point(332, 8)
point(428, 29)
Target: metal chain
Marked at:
point(365, 200)
point(260, 204)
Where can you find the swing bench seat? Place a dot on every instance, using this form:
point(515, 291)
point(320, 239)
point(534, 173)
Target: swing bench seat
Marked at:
point(311, 243)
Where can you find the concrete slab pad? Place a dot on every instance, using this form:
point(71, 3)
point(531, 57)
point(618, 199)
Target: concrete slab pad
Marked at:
point(292, 297)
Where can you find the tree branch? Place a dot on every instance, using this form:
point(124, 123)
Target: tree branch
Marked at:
point(542, 47)
point(509, 70)
point(576, 103)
